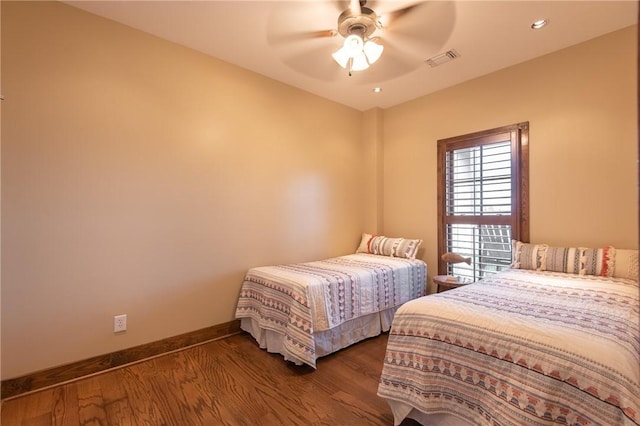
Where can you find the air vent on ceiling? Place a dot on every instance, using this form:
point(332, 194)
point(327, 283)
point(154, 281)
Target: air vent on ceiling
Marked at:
point(440, 59)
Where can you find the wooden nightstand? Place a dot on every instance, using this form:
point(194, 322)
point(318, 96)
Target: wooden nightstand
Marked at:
point(447, 282)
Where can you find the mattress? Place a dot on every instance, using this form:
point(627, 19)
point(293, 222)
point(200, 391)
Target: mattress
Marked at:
point(521, 347)
point(291, 305)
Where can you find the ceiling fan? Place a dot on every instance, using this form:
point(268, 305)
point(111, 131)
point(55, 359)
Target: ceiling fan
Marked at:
point(396, 35)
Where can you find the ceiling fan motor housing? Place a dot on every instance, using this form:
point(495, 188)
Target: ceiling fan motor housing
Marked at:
point(363, 24)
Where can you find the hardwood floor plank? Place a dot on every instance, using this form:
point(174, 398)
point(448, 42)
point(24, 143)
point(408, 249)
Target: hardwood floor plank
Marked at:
point(232, 386)
point(119, 413)
point(224, 382)
point(116, 401)
point(64, 404)
point(186, 378)
point(40, 405)
point(137, 388)
point(172, 374)
point(91, 410)
point(14, 416)
point(43, 420)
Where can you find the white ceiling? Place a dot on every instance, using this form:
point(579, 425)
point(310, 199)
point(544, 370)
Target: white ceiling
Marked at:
point(268, 37)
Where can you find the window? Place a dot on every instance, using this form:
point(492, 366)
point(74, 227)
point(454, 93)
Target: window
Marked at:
point(483, 181)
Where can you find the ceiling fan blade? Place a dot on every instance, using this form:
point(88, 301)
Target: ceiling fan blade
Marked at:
point(307, 63)
point(389, 18)
point(275, 39)
point(293, 22)
point(421, 29)
point(393, 63)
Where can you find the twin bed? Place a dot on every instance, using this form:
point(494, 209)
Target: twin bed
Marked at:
point(307, 310)
point(553, 340)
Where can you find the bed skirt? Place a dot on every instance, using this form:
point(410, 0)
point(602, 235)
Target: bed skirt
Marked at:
point(327, 341)
point(403, 411)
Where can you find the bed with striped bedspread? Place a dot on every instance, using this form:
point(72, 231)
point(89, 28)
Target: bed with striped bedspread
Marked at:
point(297, 303)
point(519, 348)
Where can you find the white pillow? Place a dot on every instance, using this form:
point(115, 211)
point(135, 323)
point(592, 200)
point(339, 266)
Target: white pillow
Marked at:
point(626, 265)
point(364, 243)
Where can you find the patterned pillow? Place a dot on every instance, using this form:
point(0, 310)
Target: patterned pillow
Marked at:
point(597, 261)
point(394, 247)
point(382, 245)
point(562, 259)
point(407, 248)
point(527, 256)
point(626, 265)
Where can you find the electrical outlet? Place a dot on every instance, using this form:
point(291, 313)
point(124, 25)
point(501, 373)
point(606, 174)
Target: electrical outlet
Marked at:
point(120, 323)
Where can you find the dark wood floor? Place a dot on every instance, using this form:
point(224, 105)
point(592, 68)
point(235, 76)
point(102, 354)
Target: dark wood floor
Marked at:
point(226, 382)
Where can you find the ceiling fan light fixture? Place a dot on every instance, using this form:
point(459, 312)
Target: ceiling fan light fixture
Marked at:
point(353, 44)
point(351, 48)
point(359, 62)
point(362, 54)
point(373, 51)
point(341, 57)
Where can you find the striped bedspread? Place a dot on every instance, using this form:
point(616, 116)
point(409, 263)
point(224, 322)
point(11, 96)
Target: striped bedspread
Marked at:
point(519, 348)
point(297, 300)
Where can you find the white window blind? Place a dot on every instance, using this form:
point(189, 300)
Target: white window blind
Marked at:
point(479, 180)
point(478, 183)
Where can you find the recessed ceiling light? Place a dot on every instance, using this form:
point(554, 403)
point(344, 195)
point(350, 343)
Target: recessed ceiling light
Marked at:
point(377, 89)
point(540, 23)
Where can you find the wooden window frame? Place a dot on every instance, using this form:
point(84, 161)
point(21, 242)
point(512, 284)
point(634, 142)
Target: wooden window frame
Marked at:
point(519, 137)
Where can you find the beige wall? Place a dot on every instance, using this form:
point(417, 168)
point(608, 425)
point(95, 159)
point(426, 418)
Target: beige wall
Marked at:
point(144, 178)
point(372, 173)
point(581, 106)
